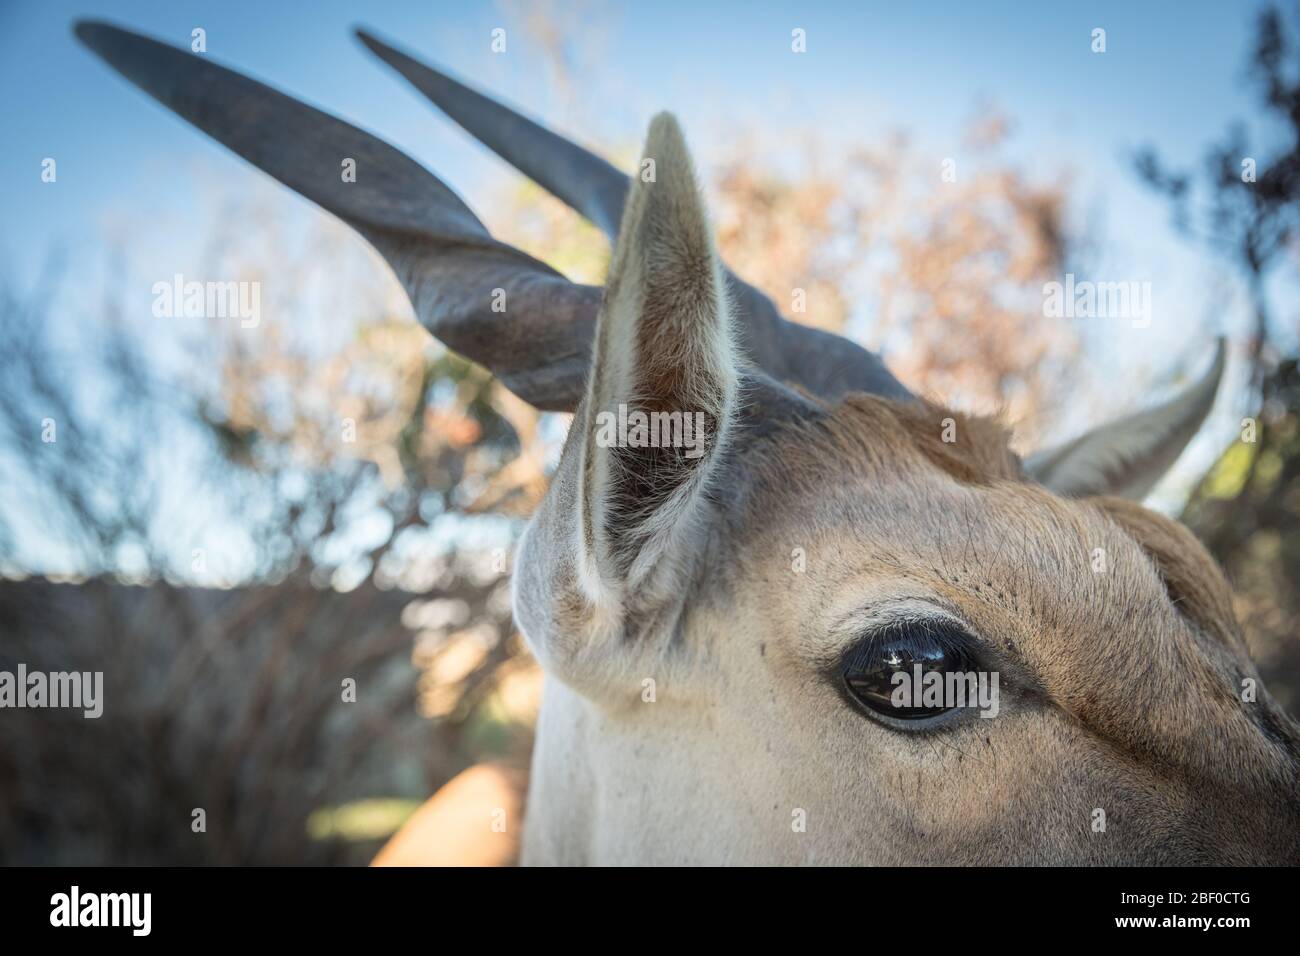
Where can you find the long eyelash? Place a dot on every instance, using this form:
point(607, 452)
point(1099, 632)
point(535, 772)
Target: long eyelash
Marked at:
point(948, 634)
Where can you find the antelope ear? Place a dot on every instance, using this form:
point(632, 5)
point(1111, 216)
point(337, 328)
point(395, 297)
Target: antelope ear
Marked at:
point(1127, 457)
point(662, 390)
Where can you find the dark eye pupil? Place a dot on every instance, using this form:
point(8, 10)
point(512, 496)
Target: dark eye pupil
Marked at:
point(869, 671)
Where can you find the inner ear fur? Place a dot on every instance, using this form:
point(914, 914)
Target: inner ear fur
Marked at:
point(664, 347)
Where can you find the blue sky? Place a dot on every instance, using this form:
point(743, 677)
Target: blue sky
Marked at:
point(1172, 77)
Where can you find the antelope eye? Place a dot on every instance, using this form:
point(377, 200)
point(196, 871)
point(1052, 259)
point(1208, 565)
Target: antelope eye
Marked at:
point(886, 672)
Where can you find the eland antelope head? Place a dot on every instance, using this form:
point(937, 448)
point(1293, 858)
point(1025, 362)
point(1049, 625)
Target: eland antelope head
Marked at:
point(756, 538)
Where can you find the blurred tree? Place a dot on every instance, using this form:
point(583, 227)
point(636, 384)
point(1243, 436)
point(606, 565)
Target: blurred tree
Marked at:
point(318, 485)
point(949, 271)
point(1247, 510)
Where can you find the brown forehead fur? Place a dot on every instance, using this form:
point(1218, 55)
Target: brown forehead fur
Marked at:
point(977, 453)
point(863, 427)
